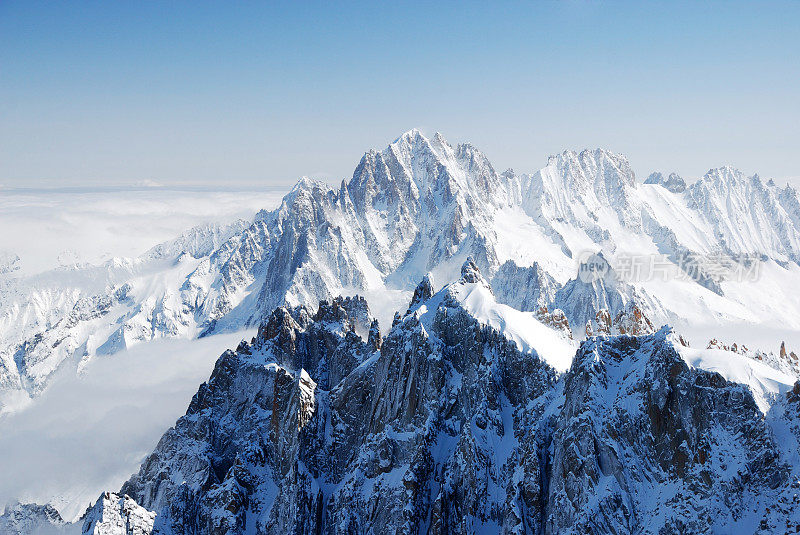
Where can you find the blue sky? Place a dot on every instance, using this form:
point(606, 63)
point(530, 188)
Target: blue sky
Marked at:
point(255, 93)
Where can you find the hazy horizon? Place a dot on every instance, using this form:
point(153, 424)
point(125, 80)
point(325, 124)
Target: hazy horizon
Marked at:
point(254, 94)
point(284, 185)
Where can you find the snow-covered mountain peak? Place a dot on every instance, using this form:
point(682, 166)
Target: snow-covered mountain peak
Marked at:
point(409, 136)
point(447, 416)
point(673, 182)
point(597, 171)
point(585, 189)
point(24, 519)
point(438, 137)
point(726, 178)
point(412, 143)
point(472, 294)
point(422, 292)
point(592, 166)
point(435, 168)
point(447, 427)
point(304, 183)
point(470, 272)
point(748, 216)
point(305, 187)
point(418, 207)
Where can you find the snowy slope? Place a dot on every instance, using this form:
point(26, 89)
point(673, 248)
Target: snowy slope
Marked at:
point(765, 383)
point(529, 334)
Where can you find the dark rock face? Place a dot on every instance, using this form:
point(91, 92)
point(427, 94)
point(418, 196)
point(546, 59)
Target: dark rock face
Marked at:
point(444, 426)
point(524, 288)
point(646, 444)
point(794, 395)
point(423, 291)
point(470, 272)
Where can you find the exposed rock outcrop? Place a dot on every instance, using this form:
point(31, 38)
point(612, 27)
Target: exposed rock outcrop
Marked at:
point(785, 361)
point(555, 319)
point(524, 288)
point(673, 182)
point(451, 425)
point(117, 515)
point(633, 321)
point(423, 291)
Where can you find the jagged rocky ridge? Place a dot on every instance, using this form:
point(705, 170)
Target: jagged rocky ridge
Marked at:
point(452, 425)
point(673, 182)
point(785, 361)
point(419, 205)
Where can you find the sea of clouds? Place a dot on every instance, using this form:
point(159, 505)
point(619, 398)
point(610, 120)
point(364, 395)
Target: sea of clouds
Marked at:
point(89, 433)
point(50, 228)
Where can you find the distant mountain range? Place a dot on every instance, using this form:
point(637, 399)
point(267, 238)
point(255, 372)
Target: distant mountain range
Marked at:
point(422, 205)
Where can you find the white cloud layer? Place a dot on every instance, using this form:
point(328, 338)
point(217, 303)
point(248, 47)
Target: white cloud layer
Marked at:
point(88, 434)
point(48, 228)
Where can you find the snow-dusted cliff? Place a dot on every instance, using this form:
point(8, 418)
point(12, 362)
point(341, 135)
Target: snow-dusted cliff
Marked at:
point(468, 417)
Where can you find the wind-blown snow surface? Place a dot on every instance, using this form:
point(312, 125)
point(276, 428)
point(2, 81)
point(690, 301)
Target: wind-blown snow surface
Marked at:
point(528, 333)
point(765, 383)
